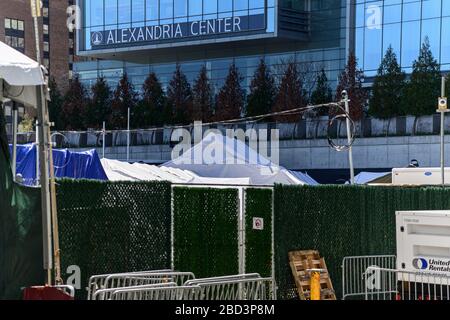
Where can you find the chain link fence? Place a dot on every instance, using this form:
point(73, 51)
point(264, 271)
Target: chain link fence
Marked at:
point(113, 227)
point(342, 221)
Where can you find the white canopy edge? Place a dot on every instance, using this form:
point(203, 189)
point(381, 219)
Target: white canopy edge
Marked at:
point(19, 76)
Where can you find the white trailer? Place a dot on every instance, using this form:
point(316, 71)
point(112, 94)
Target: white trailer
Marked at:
point(419, 176)
point(423, 245)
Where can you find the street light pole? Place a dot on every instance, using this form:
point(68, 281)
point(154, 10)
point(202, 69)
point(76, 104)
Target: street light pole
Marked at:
point(442, 108)
point(349, 136)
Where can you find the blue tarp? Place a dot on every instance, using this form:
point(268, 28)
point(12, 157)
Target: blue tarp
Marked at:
point(67, 164)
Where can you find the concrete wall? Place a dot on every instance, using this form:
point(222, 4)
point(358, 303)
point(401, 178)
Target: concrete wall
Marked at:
point(383, 152)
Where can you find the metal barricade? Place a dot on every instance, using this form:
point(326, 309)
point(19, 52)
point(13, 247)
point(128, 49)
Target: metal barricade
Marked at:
point(354, 268)
point(223, 278)
point(239, 289)
point(97, 282)
point(158, 293)
point(392, 284)
point(107, 294)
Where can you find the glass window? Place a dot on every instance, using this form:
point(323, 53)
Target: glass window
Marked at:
point(152, 9)
point(372, 48)
point(138, 11)
point(240, 4)
point(166, 9)
point(256, 4)
point(110, 12)
point(180, 8)
point(7, 23)
point(210, 6)
point(225, 5)
point(410, 42)
point(195, 7)
point(411, 10)
point(431, 8)
point(20, 25)
point(124, 9)
point(96, 12)
point(445, 49)
point(431, 28)
point(391, 37)
point(392, 13)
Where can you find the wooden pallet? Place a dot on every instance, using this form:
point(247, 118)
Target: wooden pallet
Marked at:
point(300, 261)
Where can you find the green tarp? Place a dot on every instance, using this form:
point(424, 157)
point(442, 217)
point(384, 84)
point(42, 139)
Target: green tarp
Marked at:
point(21, 249)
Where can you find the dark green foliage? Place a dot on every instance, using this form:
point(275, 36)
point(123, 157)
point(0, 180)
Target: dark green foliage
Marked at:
point(149, 111)
point(124, 97)
point(108, 227)
point(55, 104)
point(99, 107)
point(74, 107)
point(262, 91)
point(179, 98)
point(387, 91)
point(342, 221)
point(206, 237)
point(351, 79)
point(203, 97)
point(231, 98)
point(423, 89)
point(322, 93)
point(258, 253)
point(291, 94)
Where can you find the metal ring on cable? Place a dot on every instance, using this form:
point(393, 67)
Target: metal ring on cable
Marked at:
point(352, 137)
point(65, 139)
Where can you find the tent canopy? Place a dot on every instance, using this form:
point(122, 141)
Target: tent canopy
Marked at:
point(236, 161)
point(124, 171)
point(19, 75)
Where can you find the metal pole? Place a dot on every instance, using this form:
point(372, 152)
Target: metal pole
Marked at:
point(44, 155)
point(128, 135)
point(443, 137)
point(349, 138)
point(104, 136)
point(37, 153)
point(14, 147)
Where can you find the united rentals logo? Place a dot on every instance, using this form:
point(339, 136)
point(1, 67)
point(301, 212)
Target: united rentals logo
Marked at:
point(439, 265)
point(97, 38)
point(420, 264)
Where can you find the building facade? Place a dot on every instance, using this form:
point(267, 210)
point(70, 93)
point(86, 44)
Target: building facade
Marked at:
point(143, 36)
point(404, 25)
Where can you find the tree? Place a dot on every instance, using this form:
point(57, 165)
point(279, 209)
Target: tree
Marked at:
point(74, 106)
point(231, 97)
point(55, 104)
point(179, 98)
point(322, 93)
point(124, 97)
point(203, 97)
point(149, 111)
point(351, 80)
point(99, 108)
point(423, 89)
point(388, 86)
point(291, 94)
point(262, 91)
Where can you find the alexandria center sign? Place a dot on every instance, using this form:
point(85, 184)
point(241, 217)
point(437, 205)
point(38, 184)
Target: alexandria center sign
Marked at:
point(183, 31)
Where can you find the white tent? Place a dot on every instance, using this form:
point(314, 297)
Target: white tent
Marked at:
point(123, 171)
point(236, 161)
point(19, 76)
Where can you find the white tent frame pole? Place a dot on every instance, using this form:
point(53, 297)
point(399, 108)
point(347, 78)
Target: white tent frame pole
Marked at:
point(14, 144)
